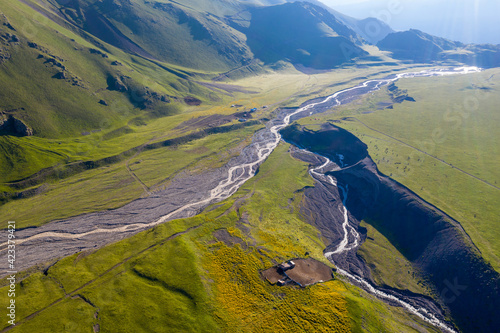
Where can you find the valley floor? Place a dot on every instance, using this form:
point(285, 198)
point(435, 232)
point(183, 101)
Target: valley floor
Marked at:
point(202, 277)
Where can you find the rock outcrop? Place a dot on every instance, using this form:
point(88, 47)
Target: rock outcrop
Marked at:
point(9, 125)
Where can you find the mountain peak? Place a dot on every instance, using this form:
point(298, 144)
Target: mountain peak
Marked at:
point(302, 33)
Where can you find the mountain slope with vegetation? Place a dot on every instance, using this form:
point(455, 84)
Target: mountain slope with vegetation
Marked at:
point(151, 28)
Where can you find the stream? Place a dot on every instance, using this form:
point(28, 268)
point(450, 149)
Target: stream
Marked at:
point(350, 242)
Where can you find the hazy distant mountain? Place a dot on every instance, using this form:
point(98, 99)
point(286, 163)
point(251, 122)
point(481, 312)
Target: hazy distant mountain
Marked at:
point(416, 45)
point(421, 47)
point(370, 29)
point(468, 21)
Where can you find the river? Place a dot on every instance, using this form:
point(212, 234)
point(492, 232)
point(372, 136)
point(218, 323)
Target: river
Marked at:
point(188, 196)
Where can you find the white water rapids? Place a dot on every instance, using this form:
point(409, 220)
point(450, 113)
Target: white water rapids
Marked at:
point(265, 141)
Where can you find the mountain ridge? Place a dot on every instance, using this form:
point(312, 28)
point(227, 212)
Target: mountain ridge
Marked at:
point(419, 46)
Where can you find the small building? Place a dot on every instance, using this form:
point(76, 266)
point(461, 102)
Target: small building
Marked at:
point(285, 280)
point(286, 265)
point(253, 110)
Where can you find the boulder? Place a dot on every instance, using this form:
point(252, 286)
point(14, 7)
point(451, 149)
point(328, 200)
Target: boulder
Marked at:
point(33, 45)
point(60, 76)
point(116, 83)
point(8, 25)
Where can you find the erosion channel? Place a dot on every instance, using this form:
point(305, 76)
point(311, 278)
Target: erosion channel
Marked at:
point(350, 189)
point(433, 240)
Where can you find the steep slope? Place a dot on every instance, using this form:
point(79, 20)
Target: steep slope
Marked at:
point(152, 28)
point(62, 85)
point(224, 34)
point(67, 97)
point(303, 34)
point(434, 243)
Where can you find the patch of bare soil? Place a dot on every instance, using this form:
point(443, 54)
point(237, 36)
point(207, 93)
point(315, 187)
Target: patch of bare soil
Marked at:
point(309, 271)
point(272, 275)
point(224, 236)
point(305, 272)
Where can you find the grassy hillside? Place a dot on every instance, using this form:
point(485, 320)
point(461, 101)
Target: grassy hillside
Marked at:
point(54, 80)
point(82, 99)
point(152, 28)
point(181, 277)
